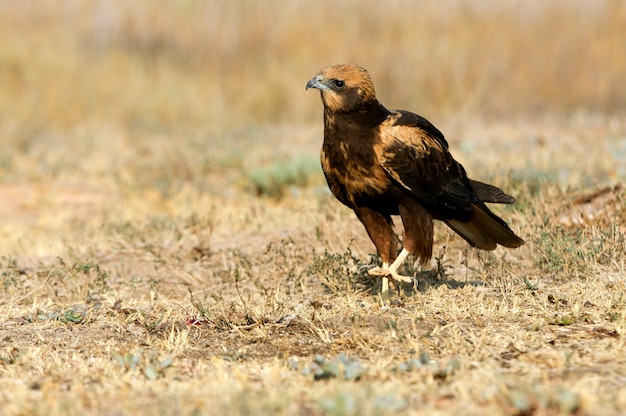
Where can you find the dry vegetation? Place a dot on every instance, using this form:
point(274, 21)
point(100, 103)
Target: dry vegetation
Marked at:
point(168, 245)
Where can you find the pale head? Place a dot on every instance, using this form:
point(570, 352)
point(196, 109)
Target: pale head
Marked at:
point(344, 88)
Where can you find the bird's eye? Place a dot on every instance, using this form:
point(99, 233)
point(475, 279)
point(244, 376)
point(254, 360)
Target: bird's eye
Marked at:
point(339, 83)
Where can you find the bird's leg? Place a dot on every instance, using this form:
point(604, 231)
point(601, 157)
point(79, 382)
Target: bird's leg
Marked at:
point(384, 284)
point(396, 264)
point(388, 271)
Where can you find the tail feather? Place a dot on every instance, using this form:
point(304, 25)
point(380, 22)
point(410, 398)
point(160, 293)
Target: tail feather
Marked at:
point(485, 230)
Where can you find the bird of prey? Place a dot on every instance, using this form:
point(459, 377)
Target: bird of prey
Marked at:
point(382, 162)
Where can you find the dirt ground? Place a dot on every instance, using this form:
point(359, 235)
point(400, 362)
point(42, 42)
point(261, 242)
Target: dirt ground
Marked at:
point(118, 301)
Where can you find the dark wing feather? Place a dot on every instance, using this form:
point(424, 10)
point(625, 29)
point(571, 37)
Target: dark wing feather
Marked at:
point(490, 193)
point(416, 155)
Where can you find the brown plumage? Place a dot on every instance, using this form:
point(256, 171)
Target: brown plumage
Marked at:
point(382, 163)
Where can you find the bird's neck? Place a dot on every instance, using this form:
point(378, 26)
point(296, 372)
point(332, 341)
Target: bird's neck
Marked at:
point(368, 114)
point(353, 129)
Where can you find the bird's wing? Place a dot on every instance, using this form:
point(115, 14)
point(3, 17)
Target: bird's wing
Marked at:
point(490, 193)
point(415, 154)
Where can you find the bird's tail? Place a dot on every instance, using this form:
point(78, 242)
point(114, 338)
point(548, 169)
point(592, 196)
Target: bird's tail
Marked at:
point(485, 230)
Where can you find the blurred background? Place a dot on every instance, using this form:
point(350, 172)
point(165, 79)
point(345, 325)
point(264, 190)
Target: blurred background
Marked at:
point(178, 64)
point(121, 96)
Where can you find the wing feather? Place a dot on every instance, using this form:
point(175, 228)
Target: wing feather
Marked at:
point(415, 154)
point(490, 193)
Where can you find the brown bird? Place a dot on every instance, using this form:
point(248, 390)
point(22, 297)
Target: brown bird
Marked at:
point(383, 162)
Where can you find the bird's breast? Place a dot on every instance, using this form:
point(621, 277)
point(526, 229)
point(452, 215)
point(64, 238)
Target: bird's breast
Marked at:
point(353, 172)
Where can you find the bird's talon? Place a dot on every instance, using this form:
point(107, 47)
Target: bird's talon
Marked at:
point(416, 282)
point(378, 271)
point(386, 273)
point(401, 278)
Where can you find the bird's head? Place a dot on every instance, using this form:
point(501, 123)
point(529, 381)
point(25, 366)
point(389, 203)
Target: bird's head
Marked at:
point(344, 88)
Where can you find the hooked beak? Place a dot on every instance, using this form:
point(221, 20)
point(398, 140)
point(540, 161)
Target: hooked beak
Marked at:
point(316, 82)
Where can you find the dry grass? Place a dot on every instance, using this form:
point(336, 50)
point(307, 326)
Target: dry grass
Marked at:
point(169, 246)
